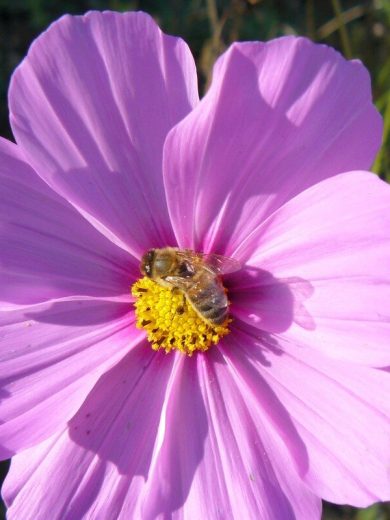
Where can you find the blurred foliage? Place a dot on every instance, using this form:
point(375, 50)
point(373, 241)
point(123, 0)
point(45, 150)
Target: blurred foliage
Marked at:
point(359, 29)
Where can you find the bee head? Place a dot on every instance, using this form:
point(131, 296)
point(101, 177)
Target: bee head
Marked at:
point(147, 263)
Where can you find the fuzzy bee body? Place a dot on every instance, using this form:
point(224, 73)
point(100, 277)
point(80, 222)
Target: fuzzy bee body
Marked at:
point(196, 275)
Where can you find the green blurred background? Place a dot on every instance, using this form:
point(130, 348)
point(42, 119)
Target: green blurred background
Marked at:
point(359, 29)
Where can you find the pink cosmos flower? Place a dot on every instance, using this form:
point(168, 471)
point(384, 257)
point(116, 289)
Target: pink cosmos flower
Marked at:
point(116, 155)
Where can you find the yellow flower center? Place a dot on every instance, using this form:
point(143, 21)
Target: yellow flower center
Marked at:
point(170, 321)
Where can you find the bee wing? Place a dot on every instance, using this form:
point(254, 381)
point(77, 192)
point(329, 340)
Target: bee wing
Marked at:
point(179, 282)
point(219, 264)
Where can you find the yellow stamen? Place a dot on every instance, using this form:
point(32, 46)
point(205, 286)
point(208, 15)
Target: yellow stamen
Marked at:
point(170, 321)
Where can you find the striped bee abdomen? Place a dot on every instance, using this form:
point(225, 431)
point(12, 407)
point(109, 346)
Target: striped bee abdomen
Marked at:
point(209, 299)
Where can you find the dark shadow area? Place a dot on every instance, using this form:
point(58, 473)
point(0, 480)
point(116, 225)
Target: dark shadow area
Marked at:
point(4, 467)
point(259, 299)
point(268, 304)
point(4, 464)
point(5, 453)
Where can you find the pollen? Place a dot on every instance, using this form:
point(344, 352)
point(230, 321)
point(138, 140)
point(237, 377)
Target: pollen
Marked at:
point(171, 322)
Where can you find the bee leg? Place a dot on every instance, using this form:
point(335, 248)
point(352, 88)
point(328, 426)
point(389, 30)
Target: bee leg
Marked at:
point(181, 308)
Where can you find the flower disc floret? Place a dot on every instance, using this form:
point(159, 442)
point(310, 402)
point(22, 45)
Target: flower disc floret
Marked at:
point(170, 321)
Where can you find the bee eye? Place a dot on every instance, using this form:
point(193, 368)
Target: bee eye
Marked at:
point(147, 262)
point(186, 270)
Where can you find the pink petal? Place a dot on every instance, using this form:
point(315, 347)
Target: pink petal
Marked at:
point(216, 460)
point(20, 472)
point(48, 250)
point(91, 106)
point(329, 248)
point(107, 449)
point(182, 458)
point(278, 118)
point(340, 410)
point(52, 354)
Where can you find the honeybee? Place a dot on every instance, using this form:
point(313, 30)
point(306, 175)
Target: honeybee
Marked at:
point(196, 275)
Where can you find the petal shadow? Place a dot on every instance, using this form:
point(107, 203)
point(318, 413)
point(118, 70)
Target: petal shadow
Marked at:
point(267, 303)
